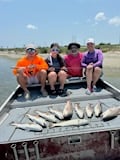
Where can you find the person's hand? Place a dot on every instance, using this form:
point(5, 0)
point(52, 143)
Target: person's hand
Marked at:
point(90, 65)
point(21, 70)
point(31, 66)
point(51, 69)
point(64, 68)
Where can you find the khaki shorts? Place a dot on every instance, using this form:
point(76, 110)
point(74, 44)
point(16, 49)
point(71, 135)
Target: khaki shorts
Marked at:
point(32, 80)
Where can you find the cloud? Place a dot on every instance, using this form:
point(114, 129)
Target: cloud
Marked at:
point(100, 16)
point(30, 26)
point(114, 21)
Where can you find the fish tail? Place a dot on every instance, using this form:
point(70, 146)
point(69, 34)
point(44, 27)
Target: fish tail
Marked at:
point(12, 123)
point(51, 125)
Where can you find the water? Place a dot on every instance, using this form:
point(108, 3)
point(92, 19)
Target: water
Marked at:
point(8, 81)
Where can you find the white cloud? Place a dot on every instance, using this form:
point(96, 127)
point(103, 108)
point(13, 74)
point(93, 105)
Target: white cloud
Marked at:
point(30, 26)
point(114, 21)
point(100, 16)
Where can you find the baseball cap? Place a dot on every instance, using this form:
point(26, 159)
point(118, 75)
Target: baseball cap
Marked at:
point(90, 40)
point(30, 46)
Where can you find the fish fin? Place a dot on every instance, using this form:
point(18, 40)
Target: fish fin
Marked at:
point(109, 118)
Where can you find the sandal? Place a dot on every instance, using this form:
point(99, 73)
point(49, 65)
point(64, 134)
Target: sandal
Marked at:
point(53, 92)
point(60, 91)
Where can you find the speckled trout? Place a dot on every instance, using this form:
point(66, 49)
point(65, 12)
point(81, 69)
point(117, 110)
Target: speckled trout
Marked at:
point(72, 122)
point(89, 110)
point(98, 109)
point(68, 110)
point(111, 113)
point(79, 111)
point(27, 126)
point(58, 114)
point(48, 116)
point(37, 119)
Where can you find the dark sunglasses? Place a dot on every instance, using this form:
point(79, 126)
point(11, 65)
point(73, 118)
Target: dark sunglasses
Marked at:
point(90, 44)
point(30, 50)
point(55, 50)
point(73, 48)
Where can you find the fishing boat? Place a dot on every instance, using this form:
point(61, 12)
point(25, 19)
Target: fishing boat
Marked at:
point(98, 140)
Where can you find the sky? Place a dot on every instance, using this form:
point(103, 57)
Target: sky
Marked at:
point(43, 22)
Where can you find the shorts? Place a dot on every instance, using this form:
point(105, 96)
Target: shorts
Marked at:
point(84, 71)
point(32, 80)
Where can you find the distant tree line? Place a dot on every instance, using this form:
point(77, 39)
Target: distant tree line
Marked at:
point(63, 49)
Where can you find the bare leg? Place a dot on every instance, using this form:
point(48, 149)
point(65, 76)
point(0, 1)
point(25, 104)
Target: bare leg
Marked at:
point(96, 74)
point(42, 75)
point(52, 78)
point(62, 78)
point(22, 80)
point(89, 77)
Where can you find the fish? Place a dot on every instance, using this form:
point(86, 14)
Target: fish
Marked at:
point(37, 119)
point(28, 126)
point(110, 113)
point(58, 114)
point(89, 110)
point(47, 116)
point(72, 122)
point(68, 110)
point(98, 109)
point(78, 110)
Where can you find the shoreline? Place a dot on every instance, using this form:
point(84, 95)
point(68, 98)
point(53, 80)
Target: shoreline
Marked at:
point(111, 59)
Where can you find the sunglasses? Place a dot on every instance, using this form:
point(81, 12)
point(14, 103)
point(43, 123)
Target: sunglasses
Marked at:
point(73, 48)
point(55, 50)
point(31, 50)
point(90, 44)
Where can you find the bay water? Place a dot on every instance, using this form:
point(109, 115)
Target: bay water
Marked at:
point(8, 81)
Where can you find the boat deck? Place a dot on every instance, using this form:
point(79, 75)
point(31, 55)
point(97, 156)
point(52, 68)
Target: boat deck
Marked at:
point(19, 107)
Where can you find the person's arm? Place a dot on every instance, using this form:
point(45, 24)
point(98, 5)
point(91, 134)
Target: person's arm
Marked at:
point(83, 63)
point(100, 59)
point(20, 67)
point(42, 64)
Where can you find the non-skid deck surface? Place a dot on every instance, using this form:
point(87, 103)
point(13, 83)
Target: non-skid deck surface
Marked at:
point(76, 93)
point(9, 133)
point(73, 92)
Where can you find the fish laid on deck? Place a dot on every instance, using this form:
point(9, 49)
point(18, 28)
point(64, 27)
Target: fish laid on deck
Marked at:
point(57, 113)
point(89, 110)
point(78, 110)
point(68, 110)
point(98, 109)
point(111, 113)
point(72, 122)
point(48, 116)
point(27, 126)
point(37, 119)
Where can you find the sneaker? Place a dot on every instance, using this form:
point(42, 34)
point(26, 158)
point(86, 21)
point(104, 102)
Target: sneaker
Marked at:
point(27, 95)
point(44, 93)
point(94, 88)
point(88, 91)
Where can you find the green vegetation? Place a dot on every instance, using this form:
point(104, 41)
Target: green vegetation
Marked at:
point(63, 49)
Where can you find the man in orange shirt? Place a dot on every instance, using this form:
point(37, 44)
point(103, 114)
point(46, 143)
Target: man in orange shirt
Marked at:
point(31, 69)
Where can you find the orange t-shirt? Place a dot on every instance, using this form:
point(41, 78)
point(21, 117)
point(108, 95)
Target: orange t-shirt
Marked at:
point(38, 61)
